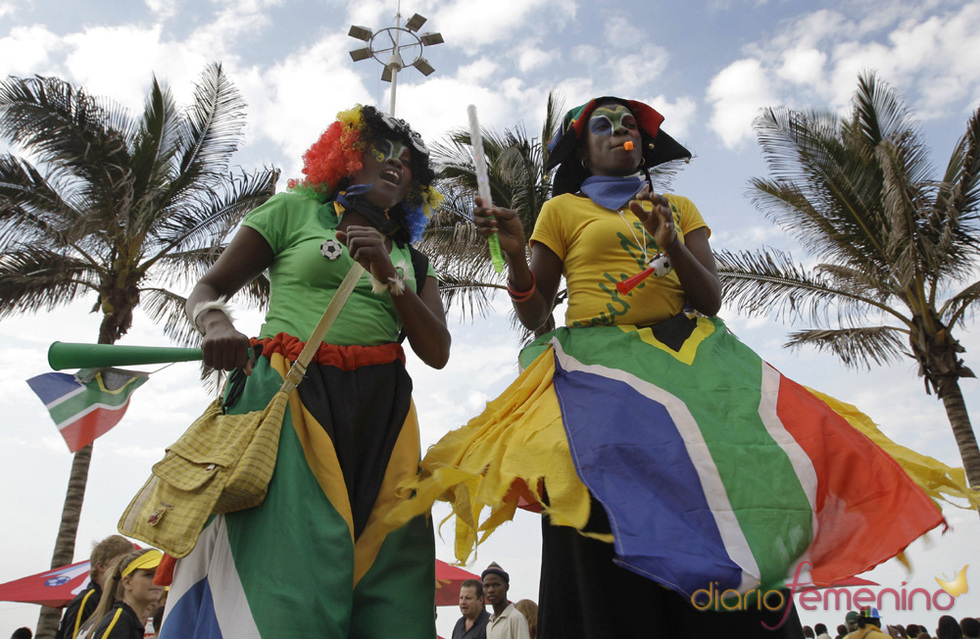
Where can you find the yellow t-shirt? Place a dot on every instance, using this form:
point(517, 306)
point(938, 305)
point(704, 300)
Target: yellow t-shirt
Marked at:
point(599, 248)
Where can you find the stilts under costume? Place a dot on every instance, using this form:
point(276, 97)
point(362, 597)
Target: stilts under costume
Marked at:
point(312, 560)
point(662, 433)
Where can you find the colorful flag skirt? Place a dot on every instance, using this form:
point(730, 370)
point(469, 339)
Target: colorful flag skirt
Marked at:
point(712, 467)
point(313, 560)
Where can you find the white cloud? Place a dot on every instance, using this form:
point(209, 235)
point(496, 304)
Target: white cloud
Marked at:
point(679, 113)
point(928, 55)
point(28, 51)
point(737, 93)
point(476, 24)
point(292, 102)
point(94, 61)
point(802, 64)
point(532, 58)
point(163, 9)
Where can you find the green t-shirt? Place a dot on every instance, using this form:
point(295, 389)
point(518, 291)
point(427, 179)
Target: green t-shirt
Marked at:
point(303, 280)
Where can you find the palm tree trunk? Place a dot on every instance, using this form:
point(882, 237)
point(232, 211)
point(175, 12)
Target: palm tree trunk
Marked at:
point(959, 420)
point(64, 547)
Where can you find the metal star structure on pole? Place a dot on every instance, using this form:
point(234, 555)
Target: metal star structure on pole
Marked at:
point(391, 46)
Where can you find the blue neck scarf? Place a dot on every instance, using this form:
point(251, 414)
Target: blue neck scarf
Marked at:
point(610, 192)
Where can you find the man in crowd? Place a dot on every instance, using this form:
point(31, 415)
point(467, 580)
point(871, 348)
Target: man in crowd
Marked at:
point(869, 625)
point(473, 623)
point(506, 622)
point(851, 621)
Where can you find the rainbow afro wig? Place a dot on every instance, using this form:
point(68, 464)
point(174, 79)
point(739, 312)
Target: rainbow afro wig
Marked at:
point(336, 156)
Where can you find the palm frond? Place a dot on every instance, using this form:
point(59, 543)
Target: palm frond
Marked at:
point(153, 153)
point(214, 125)
point(879, 111)
point(956, 308)
point(857, 347)
point(167, 308)
point(827, 197)
point(33, 278)
point(31, 208)
point(206, 212)
point(769, 281)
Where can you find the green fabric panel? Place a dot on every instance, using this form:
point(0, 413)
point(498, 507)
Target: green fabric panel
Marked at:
point(396, 598)
point(293, 553)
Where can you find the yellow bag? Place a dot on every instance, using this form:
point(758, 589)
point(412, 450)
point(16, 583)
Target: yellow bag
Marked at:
point(222, 463)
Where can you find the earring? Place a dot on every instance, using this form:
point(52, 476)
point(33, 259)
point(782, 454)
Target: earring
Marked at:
point(585, 163)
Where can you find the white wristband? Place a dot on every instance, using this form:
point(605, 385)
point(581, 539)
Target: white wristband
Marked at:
point(395, 285)
point(219, 304)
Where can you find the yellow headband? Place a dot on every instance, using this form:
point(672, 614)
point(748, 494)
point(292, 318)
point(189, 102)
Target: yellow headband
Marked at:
point(146, 561)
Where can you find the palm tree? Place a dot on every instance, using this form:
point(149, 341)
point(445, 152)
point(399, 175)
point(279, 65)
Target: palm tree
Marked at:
point(116, 206)
point(896, 245)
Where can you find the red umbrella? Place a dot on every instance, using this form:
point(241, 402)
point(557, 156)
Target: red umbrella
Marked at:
point(55, 588)
point(449, 579)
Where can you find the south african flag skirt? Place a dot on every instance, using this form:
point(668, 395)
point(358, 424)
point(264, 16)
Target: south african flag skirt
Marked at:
point(314, 560)
point(712, 467)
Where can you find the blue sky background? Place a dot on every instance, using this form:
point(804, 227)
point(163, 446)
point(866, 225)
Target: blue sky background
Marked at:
point(707, 66)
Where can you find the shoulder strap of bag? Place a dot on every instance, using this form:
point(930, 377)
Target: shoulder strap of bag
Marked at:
point(298, 369)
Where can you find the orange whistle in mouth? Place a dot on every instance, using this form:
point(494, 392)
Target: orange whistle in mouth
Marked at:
point(628, 145)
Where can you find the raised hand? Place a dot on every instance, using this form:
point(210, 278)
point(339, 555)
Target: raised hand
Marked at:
point(659, 222)
point(505, 223)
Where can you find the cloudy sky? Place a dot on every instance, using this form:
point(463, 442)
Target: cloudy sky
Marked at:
point(708, 66)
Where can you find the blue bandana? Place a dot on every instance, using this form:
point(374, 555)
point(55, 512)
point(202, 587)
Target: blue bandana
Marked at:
point(611, 192)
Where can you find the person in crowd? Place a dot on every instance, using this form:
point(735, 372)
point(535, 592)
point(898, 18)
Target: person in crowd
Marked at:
point(352, 435)
point(868, 625)
point(970, 627)
point(851, 620)
point(473, 623)
point(948, 628)
point(841, 631)
point(128, 596)
point(22, 633)
point(808, 632)
point(506, 622)
point(530, 611)
point(821, 630)
point(104, 554)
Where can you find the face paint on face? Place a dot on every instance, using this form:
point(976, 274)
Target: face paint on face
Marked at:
point(613, 142)
point(385, 150)
point(387, 166)
point(607, 119)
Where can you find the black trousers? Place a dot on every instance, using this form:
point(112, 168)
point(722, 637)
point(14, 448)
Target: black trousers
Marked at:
point(584, 595)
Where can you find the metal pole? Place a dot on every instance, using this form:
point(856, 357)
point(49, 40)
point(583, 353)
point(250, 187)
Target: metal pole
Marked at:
point(395, 61)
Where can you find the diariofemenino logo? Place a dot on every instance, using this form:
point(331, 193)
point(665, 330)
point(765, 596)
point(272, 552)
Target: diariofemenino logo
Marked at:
point(827, 599)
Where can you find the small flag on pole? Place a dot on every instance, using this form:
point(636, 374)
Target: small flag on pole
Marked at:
point(86, 405)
